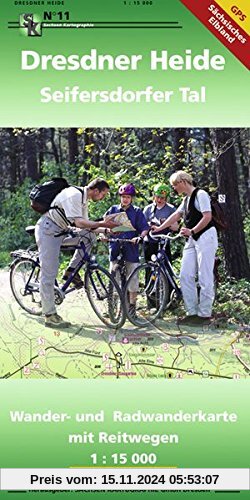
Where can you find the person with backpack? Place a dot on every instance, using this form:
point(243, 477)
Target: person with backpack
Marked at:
point(68, 208)
point(139, 229)
point(199, 251)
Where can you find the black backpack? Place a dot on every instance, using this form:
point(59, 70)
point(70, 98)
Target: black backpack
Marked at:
point(42, 195)
point(218, 214)
point(219, 219)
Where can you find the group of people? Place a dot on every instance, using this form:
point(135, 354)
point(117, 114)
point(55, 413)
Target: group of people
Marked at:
point(70, 207)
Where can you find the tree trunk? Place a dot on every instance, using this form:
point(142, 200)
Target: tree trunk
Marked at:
point(30, 153)
point(244, 158)
point(14, 160)
point(208, 173)
point(234, 243)
point(53, 145)
point(73, 146)
point(42, 148)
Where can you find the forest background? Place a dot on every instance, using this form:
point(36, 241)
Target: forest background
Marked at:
point(218, 159)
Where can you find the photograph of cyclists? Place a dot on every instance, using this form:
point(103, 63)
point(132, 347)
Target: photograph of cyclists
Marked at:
point(125, 253)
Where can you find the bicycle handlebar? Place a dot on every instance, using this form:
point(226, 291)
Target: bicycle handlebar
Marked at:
point(154, 236)
point(120, 240)
point(157, 236)
point(67, 232)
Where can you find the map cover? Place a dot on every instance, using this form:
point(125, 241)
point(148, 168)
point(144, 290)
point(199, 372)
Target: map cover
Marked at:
point(126, 397)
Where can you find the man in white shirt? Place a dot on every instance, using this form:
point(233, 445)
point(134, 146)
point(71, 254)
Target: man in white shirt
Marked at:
point(69, 207)
point(199, 251)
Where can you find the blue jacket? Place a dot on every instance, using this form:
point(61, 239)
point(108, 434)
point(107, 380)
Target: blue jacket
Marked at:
point(138, 221)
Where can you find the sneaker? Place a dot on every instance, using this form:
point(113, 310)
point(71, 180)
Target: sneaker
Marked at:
point(77, 280)
point(188, 320)
point(55, 321)
point(202, 320)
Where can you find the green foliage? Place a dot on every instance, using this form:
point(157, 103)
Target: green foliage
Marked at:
point(4, 259)
point(51, 169)
point(232, 303)
point(16, 214)
point(233, 300)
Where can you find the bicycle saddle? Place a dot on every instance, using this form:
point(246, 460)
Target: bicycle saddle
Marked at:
point(30, 230)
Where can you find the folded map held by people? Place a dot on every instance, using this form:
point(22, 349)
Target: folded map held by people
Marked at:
point(123, 222)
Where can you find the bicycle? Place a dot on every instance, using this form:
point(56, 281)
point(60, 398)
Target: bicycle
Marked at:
point(158, 285)
point(119, 268)
point(102, 290)
point(119, 271)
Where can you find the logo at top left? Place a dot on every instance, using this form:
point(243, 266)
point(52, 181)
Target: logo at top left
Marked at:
point(31, 24)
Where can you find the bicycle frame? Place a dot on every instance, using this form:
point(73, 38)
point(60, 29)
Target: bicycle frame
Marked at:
point(91, 263)
point(166, 265)
point(86, 258)
point(163, 261)
point(120, 260)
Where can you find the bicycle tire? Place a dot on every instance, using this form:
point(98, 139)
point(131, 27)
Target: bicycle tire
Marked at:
point(24, 283)
point(120, 277)
point(153, 285)
point(105, 296)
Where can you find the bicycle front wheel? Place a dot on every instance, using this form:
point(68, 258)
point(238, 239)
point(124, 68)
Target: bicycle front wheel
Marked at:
point(105, 296)
point(152, 294)
point(24, 283)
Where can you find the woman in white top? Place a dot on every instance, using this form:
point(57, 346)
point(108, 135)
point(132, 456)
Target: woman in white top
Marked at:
point(199, 251)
